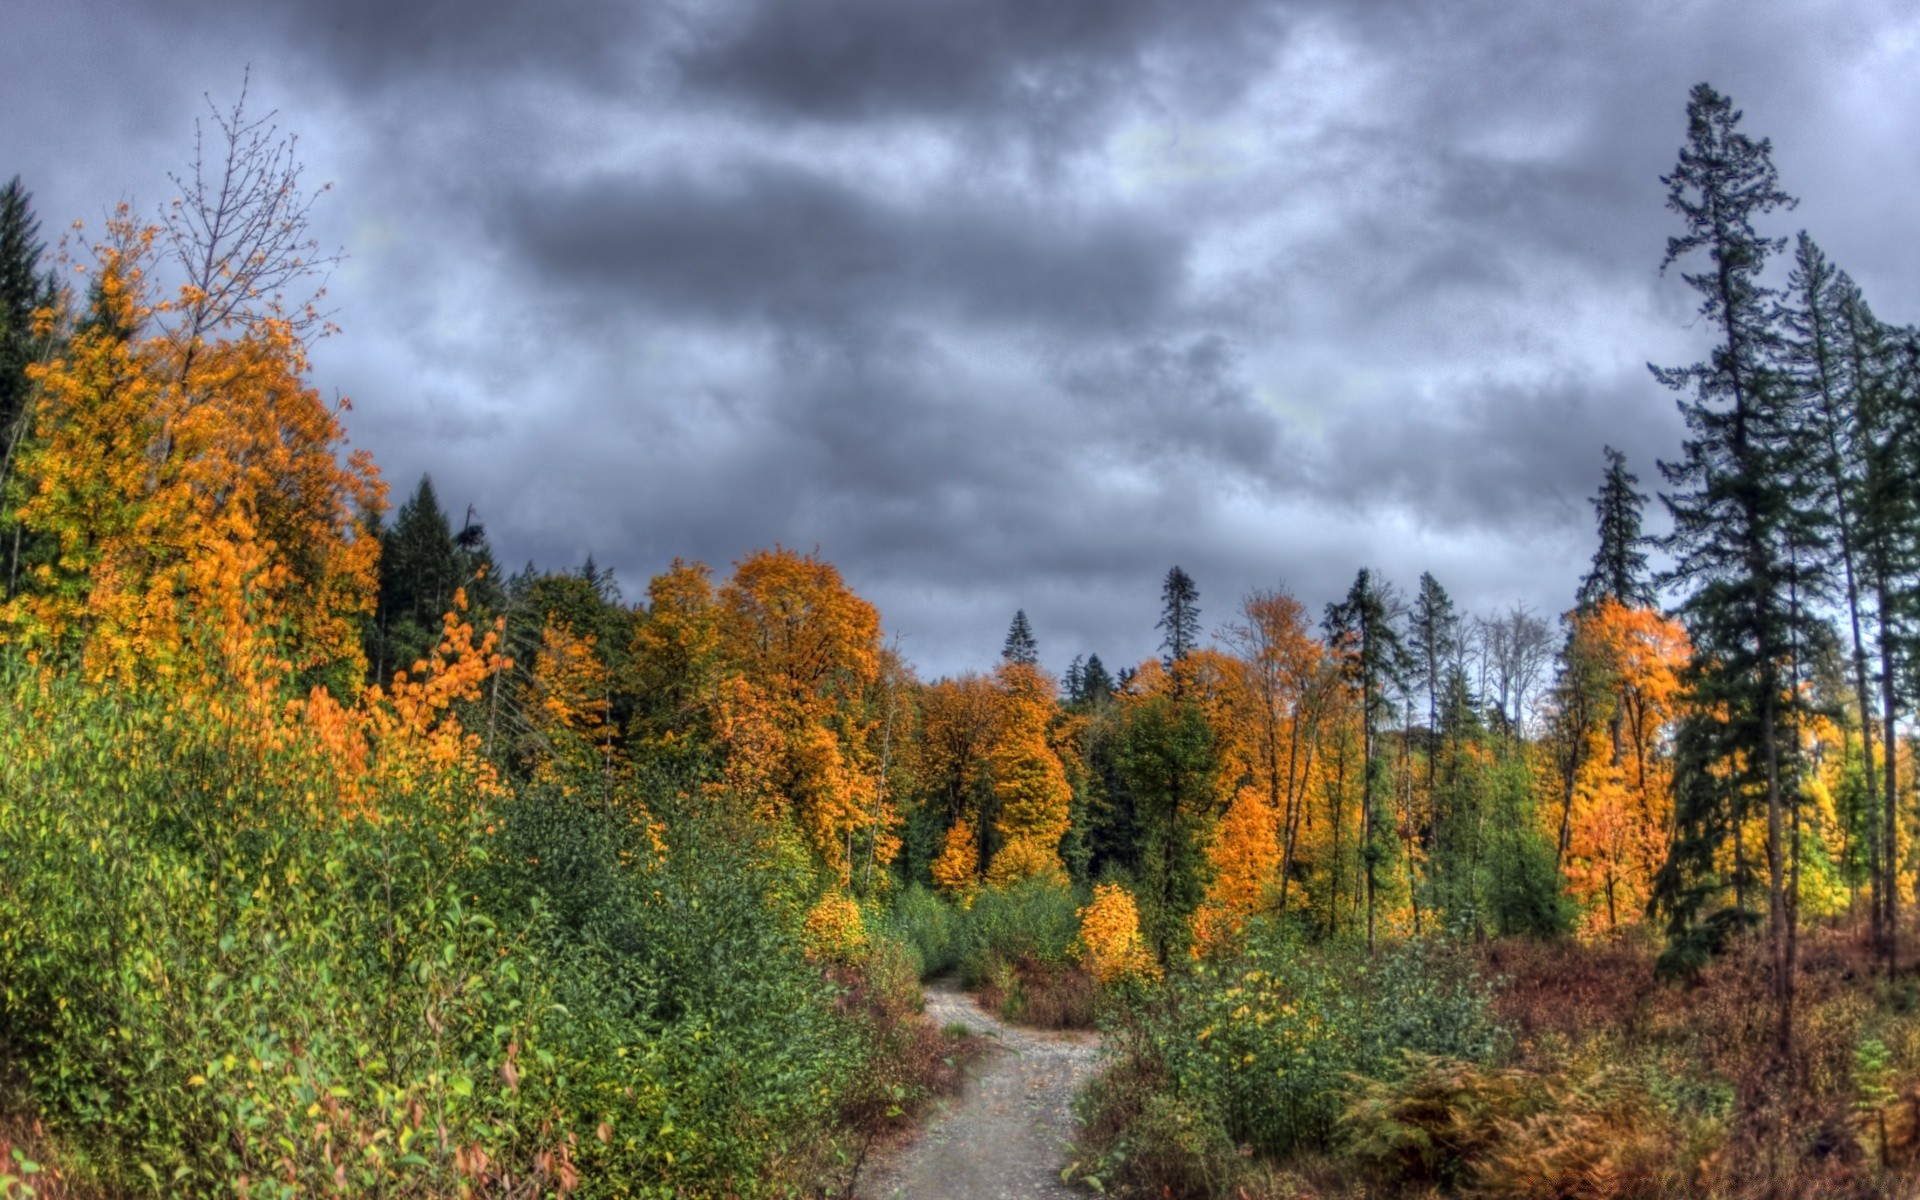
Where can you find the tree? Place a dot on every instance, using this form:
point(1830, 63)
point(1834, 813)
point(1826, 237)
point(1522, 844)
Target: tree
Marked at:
point(24, 291)
point(1179, 617)
point(419, 569)
point(1834, 351)
point(239, 231)
point(1166, 762)
point(1738, 501)
point(806, 650)
point(1374, 661)
point(228, 521)
point(1020, 648)
point(1619, 563)
point(1029, 783)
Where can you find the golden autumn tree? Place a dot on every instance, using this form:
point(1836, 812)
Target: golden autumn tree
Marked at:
point(1621, 801)
point(1032, 795)
point(568, 702)
point(956, 870)
point(807, 656)
point(953, 738)
point(1245, 855)
point(676, 657)
point(1111, 946)
point(196, 496)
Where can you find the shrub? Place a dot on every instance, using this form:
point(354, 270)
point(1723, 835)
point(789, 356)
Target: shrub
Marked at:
point(1034, 920)
point(926, 925)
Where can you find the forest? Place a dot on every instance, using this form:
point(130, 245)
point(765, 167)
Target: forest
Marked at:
point(337, 859)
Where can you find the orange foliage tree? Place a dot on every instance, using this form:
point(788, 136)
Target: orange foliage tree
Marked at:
point(1621, 802)
point(1030, 786)
point(806, 653)
point(194, 499)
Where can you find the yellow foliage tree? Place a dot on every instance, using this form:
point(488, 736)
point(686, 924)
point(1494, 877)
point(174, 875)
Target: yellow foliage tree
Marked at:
point(195, 501)
point(1622, 799)
point(957, 869)
point(807, 653)
point(1032, 795)
point(1245, 855)
point(1111, 947)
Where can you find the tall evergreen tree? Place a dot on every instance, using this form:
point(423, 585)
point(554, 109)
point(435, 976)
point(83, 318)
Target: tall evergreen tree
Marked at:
point(420, 568)
point(1435, 630)
point(1835, 351)
point(1619, 563)
point(1886, 369)
point(23, 289)
point(1374, 660)
point(1020, 646)
point(1179, 616)
point(1738, 501)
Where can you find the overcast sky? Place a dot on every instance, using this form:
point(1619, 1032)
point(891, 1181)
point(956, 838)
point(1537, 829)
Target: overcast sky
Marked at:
point(1004, 303)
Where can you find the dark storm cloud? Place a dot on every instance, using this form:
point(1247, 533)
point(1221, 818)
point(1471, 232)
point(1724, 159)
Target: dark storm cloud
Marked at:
point(857, 59)
point(775, 241)
point(1008, 303)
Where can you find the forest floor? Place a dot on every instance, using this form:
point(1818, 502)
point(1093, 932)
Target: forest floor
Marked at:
point(1006, 1136)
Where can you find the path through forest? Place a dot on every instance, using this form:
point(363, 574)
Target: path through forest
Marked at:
point(1005, 1136)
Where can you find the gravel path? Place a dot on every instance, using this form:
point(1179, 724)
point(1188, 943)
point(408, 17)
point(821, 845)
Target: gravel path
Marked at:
point(1005, 1137)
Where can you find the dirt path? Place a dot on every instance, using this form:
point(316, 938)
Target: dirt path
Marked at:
point(1005, 1137)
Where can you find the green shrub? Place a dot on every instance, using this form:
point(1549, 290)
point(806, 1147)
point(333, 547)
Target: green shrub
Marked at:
point(208, 983)
point(928, 926)
point(1036, 920)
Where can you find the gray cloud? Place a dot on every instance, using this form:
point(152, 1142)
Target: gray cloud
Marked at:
point(1007, 304)
point(771, 241)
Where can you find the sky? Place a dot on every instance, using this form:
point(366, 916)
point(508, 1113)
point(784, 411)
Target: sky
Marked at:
point(1000, 304)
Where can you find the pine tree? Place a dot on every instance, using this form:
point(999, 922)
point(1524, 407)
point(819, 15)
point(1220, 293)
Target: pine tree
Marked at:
point(1374, 661)
point(1435, 629)
point(1096, 685)
point(1179, 616)
point(1619, 564)
point(1738, 502)
point(1886, 369)
point(420, 568)
point(1834, 350)
point(23, 289)
point(1020, 647)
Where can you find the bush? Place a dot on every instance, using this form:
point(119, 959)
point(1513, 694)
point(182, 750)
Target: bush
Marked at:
point(214, 975)
point(1035, 920)
point(927, 926)
point(209, 978)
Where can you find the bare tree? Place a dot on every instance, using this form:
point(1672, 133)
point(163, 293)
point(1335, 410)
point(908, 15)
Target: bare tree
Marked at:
point(239, 229)
point(1516, 648)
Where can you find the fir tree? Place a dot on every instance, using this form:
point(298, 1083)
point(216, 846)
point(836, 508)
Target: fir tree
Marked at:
point(23, 289)
point(1436, 635)
point(1738, 501)
point(420, 568)
point(1374, 661)
point(1619, 563)
point(1020, 647)
point(1179, 616)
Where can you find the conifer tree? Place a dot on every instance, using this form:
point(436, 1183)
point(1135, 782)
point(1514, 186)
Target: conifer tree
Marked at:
point(23, 289)
point(1179, 616)
point(1374, 660)
point(1020, 647)
point(1834, 353)
point(1435, 630)
point(419, 570)
point(1738, 501)
point(1619, 563)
